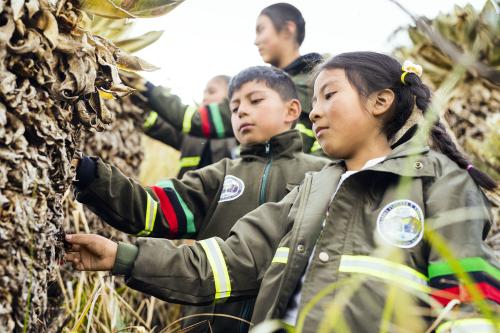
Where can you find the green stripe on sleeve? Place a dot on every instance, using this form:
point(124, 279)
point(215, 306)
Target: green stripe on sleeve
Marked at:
point(217, 119)
point(190, 227)
point(473, 264)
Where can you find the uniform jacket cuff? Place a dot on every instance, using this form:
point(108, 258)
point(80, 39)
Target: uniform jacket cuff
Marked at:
point(86, 172)
point(125, 258)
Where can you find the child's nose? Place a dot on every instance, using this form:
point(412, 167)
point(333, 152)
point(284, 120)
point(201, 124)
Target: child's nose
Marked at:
point(242, 111)
point(314, 114)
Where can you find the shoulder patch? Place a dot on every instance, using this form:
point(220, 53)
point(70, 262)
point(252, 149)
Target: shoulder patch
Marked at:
point(232, 188)
point(401, 223)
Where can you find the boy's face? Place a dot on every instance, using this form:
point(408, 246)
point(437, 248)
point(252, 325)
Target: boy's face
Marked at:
point(215, 91)
point(268, 41)
point(259, 113)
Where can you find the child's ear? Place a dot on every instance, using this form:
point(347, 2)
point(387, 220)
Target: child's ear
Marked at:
point(290, 30)
point(293, 110)
point(381, 102)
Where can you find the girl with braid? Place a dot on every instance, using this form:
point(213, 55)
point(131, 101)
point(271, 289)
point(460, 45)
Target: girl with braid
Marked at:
point(381, 226)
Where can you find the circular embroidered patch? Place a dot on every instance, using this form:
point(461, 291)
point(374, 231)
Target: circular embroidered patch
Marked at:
point(401, 223)
point(232, 189)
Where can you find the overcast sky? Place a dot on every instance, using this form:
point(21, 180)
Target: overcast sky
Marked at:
point(204, 38)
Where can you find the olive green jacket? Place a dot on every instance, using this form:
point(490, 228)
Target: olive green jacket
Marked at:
point(196, 152)
point(214, 120)
point(204, 203)
point(373, 239)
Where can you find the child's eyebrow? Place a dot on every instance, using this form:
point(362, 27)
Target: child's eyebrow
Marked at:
point(327, 83)
point(254, 92)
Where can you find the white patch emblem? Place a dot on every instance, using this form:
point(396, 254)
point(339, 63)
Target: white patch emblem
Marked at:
point(401, 223)
point(232, 189)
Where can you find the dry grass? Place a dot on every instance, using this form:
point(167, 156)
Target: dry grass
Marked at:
point(160, 161)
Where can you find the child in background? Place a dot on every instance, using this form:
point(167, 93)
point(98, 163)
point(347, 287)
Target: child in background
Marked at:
point(206, 202)
point(280, 30)
point(374, 222)
point(196, 152)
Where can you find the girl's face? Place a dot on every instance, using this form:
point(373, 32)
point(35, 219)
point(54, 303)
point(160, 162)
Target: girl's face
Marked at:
point(268, 40)
point(341, 121)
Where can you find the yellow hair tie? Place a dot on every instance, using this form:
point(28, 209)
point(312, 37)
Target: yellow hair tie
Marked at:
point(403, 77)
point(410, 67)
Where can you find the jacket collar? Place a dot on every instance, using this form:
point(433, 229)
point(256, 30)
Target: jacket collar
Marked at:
point(303, 64)
point(285, 144)
point(407, 159)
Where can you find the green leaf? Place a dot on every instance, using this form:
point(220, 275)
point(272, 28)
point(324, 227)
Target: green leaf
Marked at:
point(129, 8)
point(138, 43)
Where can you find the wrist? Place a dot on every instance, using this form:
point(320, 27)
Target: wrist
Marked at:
point(125, 257)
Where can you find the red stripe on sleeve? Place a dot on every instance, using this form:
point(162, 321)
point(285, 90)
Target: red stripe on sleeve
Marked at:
point(445, 295)
point(167, 209)
point(205, 121)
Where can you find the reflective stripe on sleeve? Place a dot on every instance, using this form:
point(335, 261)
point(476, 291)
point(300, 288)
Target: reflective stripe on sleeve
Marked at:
point(188, 116)
point(150, 120)
point(281, 255)
point(219, 268)
point(149, 221)
point(189, 162)
point(384, 269)
point(304, 130)
point(316, 146)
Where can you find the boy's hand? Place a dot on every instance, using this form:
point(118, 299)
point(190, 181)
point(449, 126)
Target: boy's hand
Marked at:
point(91, 252)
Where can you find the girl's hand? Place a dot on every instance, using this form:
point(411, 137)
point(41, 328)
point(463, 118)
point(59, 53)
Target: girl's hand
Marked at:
point(91, 252)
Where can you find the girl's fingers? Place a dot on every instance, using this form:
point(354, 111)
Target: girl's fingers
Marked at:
point(73, 257)
point(74, 248)
point(81, 239)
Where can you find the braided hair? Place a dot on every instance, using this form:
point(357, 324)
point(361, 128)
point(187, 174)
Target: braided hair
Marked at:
point(369, 72)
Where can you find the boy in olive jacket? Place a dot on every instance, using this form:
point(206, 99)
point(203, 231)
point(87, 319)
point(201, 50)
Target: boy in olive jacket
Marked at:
point(196, 152)
point(207, 202)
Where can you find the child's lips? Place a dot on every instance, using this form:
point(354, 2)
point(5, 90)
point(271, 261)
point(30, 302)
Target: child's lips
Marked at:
point(245, 126)
point(319, 130)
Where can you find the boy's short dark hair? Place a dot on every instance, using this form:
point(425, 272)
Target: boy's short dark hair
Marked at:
point(282, 12)
point(273, 78)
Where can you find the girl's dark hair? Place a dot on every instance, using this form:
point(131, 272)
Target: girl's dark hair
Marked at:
point(281, 13)
point(369, 72)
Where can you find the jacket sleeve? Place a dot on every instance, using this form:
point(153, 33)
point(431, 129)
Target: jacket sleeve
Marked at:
point(212, 269)
point(212, 121)
point(159, 129)
point(171, 209)
point(458, 221)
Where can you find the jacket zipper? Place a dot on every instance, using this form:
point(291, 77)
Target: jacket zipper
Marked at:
point(263, 184)
point(247, 307)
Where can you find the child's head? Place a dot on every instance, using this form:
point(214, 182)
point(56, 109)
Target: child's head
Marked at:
point(263, 102)
point(361, 97)
point(280, 28)
point(216, 89)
